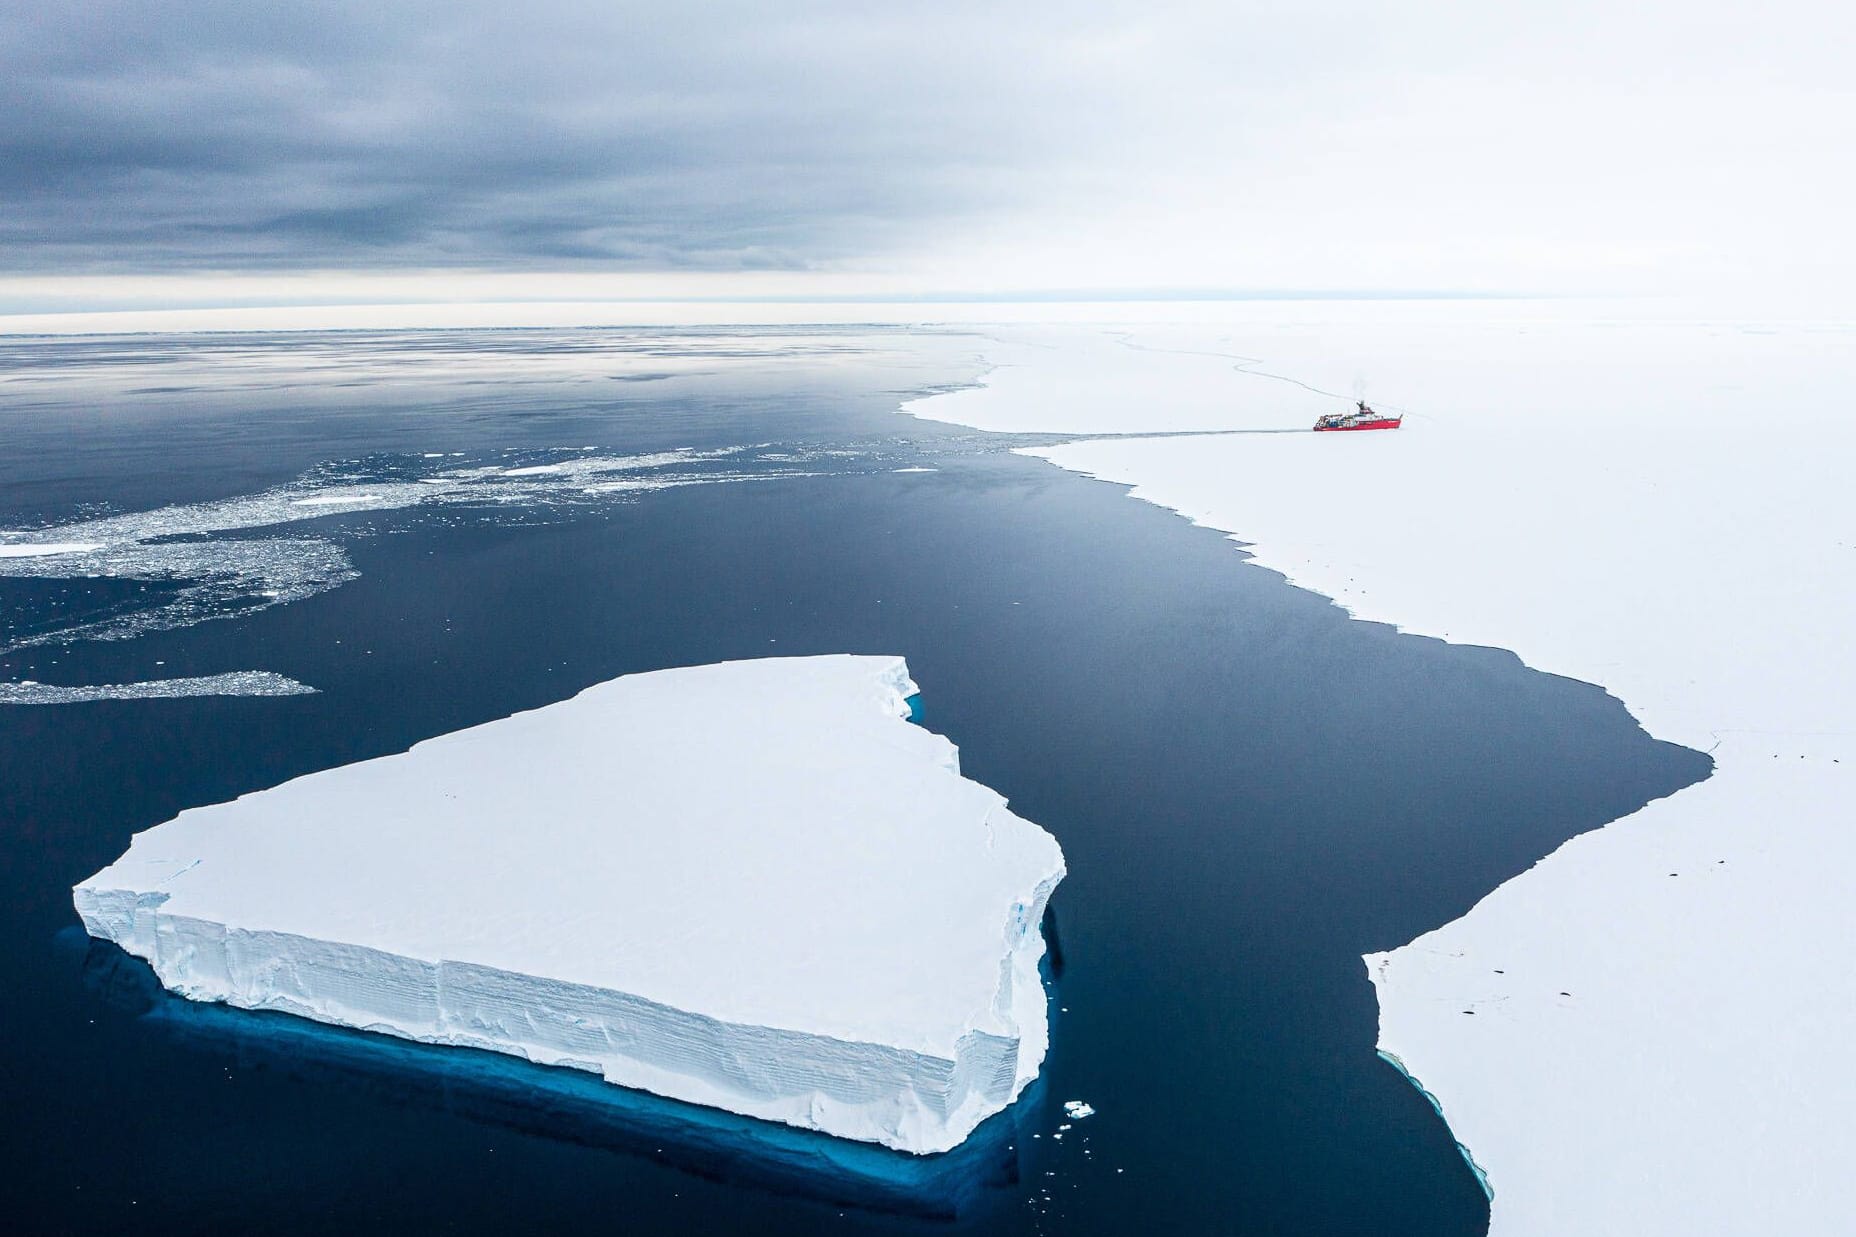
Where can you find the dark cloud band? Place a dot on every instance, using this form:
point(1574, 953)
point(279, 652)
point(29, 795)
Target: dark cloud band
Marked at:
point(215, 134)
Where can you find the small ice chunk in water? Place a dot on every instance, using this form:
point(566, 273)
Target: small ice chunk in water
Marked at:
point(1076, 1110)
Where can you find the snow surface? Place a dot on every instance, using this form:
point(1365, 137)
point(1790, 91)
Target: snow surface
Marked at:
point(1662, 1010)
point(749, 885)
point(44, 549)
point(233, 683)
point(1041, 382)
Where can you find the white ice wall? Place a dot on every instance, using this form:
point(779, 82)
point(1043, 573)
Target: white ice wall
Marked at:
point(750, 885)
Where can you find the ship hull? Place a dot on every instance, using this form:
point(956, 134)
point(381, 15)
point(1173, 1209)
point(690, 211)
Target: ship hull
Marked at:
point(1384, 423)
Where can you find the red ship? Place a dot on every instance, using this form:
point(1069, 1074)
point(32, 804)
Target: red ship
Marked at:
point(1361, 418)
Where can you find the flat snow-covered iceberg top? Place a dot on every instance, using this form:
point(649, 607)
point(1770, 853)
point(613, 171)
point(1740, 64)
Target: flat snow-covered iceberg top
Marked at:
point(751, 885)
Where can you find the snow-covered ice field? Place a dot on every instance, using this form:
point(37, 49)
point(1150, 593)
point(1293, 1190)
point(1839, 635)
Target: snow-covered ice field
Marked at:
point(1647, 1032)
point(751, 885)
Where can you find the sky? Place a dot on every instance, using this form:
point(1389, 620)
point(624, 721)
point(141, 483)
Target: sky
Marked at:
point(228, 153)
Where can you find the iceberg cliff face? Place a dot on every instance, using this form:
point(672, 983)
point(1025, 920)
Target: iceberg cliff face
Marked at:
point(750, 885)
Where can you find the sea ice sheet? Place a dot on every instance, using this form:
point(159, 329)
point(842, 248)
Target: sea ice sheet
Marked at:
point(1646, 1033)
point(750, 885)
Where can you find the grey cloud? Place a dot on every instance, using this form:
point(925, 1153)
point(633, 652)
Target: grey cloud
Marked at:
point(149, 136)
point(1097, 143)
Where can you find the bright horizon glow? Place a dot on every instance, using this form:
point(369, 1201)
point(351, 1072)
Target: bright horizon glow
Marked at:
point(1280, 310)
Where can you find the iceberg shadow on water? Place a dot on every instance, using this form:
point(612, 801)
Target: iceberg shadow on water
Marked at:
point(550, 1102)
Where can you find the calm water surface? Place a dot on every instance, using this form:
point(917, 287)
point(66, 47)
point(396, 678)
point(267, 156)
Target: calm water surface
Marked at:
point(1251, 789)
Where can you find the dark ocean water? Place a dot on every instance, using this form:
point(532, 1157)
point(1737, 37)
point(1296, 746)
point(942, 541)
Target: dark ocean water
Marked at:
point(1251, 789)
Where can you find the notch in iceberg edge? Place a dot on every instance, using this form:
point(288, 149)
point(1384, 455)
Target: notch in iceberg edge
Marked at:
point(1482, 1177)
point(680, 950)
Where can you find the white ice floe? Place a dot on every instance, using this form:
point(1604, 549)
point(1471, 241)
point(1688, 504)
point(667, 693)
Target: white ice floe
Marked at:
point(1076, 1110)
point(1648, 1032)
point(750, 885)
point(1041, 382)
point(335, 500)
point(45, 549)
point(222, 574)
point(234, 683)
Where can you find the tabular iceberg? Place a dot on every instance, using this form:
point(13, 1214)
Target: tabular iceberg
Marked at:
point(749, 885)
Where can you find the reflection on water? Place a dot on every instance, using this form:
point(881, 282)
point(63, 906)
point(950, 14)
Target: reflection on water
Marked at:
point(500, 1090)
point(1171, 715)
